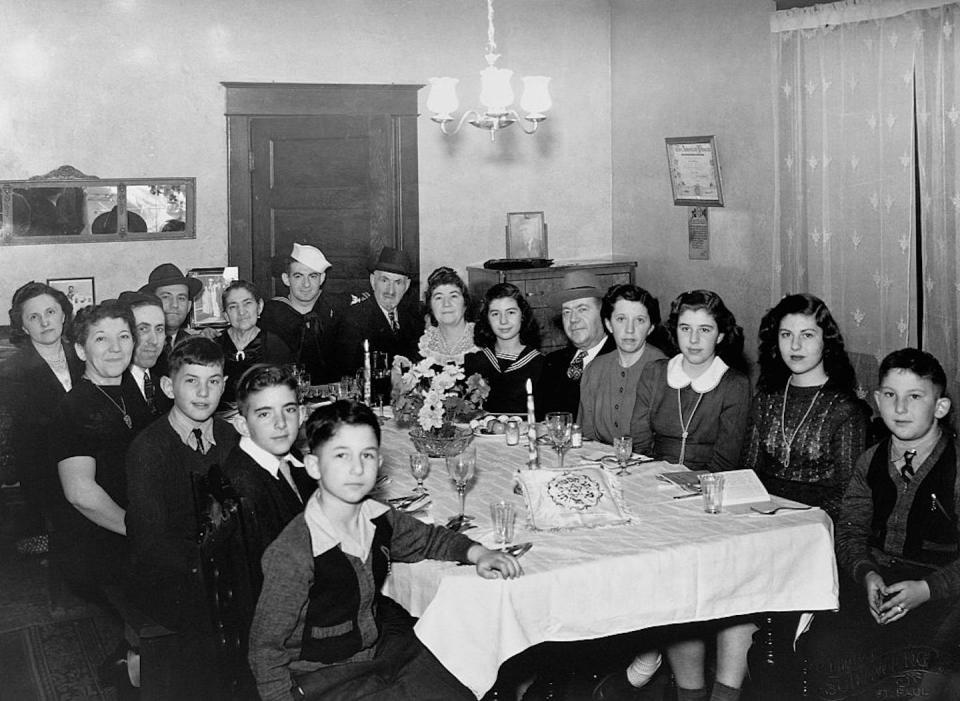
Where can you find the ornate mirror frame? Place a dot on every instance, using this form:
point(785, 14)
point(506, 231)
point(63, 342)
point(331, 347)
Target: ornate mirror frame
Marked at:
point(67, 206)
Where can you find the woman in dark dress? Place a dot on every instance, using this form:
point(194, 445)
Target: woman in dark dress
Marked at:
point(244, 343)
point(95, 424)
point(32, 382)
point(508, 336)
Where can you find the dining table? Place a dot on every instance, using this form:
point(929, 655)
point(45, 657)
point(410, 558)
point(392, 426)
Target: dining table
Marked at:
point(670, 563)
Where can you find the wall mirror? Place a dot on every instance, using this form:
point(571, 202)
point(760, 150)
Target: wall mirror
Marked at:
point(67, 206)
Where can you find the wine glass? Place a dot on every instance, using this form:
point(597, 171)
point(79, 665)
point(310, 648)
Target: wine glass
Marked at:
point(623, 448)
point(420, 468)
point(558, 432)
point(461, 468)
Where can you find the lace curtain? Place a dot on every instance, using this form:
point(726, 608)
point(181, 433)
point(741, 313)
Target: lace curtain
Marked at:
point(854, 81)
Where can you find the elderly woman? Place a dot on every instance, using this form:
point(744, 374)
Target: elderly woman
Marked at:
point(95, 423)
point(608, 390)
point(245, 344)
point(449, 336)
point(32, 382)
point(508, 336)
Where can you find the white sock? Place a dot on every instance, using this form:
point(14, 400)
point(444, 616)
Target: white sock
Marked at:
point(643, 667)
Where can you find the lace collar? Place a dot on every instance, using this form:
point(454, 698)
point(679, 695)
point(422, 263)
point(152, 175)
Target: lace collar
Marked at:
point(434, 345)
point(678, 379)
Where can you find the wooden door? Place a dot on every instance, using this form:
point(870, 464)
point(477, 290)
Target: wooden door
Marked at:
point(333, 166)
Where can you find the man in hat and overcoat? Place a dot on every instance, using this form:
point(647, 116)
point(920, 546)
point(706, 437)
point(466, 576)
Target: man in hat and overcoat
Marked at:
point(390, 327)
point(176, 292)
point(305, 319)
point(579, 299)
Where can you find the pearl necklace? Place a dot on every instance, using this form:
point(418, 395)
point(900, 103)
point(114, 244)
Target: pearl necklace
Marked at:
point(788, 442)
point(58, 361)
point(122, 407)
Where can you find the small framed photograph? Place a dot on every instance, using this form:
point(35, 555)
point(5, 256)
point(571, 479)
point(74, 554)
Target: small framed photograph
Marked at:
point(526, 235)
point(79, 290)
point(694, 171)
point(207, 308)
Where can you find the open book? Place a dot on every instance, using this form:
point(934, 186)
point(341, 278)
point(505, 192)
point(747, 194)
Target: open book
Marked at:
point(687, 480)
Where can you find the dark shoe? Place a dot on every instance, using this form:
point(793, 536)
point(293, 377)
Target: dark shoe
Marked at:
point(615, 687)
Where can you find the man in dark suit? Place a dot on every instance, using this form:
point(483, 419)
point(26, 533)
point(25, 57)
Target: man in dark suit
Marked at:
point(390, 327)
point(176, 292)
point(579, 300)
point(151, 332)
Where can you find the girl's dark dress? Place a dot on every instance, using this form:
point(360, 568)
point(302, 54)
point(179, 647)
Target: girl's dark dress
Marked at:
point(507, 377)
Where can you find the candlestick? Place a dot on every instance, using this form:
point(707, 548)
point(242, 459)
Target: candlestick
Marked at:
point(366, 372)
point(533, 460)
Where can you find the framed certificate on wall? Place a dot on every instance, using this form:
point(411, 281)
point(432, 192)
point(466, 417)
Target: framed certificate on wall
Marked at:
point(694, 171)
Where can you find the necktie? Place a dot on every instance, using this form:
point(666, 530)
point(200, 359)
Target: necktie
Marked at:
point(198, 435)
point(575, 371)
point(286, 480)
point(149, 391)
point(392, 315)
point(167, 346)
point(907, 472)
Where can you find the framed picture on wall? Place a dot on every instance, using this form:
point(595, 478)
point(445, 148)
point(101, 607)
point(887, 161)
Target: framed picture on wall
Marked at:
point(208, 308)
point(526, 235)
point(694, 171)
point(79, 290)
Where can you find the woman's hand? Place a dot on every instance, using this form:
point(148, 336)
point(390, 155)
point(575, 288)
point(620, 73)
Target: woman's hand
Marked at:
point(493, 563)
point(901, 598)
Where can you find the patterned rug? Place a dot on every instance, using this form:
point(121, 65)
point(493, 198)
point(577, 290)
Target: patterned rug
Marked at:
point(54, 661)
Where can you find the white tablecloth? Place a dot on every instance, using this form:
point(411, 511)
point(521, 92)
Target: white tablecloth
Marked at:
point(672, 564)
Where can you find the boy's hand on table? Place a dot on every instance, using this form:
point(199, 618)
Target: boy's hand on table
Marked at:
point(900, 598)
point(492, 564)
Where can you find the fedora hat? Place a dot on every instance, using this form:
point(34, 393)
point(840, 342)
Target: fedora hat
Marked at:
point(310, 256)
point(577, 284)
point(169, 274)
point(392, 260)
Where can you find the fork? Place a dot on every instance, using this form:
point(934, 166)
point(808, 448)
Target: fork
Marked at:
point(770, 512)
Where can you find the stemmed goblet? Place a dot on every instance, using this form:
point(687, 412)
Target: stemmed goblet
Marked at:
point(559, 424)
point(461, 469)
point(419, 468)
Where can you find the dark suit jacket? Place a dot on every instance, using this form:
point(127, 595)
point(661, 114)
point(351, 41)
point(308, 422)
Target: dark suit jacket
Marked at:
point(163, 361)
point(366, 320)
point(557, 392)
point(268, 508)
point(161, 402)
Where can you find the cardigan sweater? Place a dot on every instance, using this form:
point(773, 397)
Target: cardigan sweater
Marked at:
point(715, 426)
point(608, 393)
point(915, 520)
point(507, 377)
point(556, 391)
point(829, 430)
point(294, 579)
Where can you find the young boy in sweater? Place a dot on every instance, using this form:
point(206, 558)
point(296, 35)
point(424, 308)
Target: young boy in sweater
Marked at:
point(897, 537)
point(322, 629)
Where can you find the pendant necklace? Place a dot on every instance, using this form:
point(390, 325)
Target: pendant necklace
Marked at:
point(788, 442)
point(121, 407)
point(685, 427)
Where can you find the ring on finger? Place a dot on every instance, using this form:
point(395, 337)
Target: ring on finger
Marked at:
point(901, 609)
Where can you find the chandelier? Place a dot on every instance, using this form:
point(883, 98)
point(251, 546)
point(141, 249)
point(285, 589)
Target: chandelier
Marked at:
point(496, 96)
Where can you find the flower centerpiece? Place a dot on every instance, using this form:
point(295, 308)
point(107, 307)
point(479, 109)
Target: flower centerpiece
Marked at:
point(432, 398)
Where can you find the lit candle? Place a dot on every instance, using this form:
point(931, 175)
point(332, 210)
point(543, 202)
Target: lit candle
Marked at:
point(533, 461)
point(366, 372)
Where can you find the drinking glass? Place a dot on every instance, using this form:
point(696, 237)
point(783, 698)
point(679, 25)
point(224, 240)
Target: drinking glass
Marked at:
point(558, 432)
point(503, 515)
point(379, 379)
point(420, 468)
point(623, 448)
point(461, 469)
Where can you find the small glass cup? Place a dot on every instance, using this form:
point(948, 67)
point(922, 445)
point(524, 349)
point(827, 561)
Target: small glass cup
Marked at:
point(504, 516)
point(711, 487)
point(623, 449)
point(420, 468)
point(512, 433)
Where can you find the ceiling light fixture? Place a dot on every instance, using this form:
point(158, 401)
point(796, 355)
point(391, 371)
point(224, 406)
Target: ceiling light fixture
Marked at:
point(496, 96)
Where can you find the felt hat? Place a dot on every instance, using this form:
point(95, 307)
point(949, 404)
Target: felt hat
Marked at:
point(392, 260)
point(169, 274)
point(310, 256)
point(577, 284)
point(131, 298)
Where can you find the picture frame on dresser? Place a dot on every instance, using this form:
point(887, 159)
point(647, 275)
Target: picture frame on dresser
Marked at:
point(526, 235)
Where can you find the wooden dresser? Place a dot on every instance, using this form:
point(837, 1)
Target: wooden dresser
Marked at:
point(538, 283)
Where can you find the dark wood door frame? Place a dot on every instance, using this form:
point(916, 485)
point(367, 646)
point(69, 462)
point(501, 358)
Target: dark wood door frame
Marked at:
point(248, 101)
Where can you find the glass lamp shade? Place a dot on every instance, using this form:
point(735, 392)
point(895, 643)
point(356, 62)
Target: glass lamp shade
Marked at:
point(536, 96)
point(496, 95)
point(442, 99)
